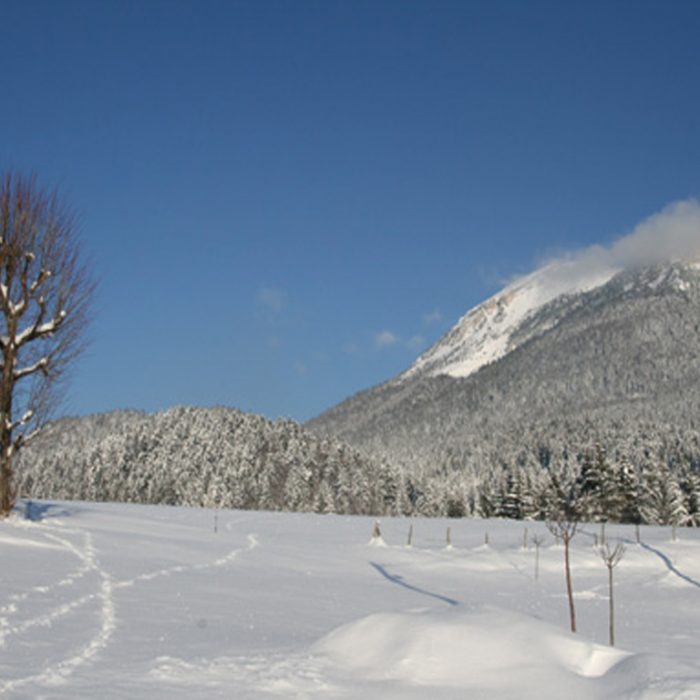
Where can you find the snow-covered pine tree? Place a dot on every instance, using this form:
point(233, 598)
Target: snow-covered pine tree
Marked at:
point(598, 487)
point(662, 498)
point(628, 493)
point(691, 489)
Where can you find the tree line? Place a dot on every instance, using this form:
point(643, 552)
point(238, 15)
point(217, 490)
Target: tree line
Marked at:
point(221, 457)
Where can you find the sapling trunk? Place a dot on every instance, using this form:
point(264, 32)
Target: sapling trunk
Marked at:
point(611, 601)
point(565, 530)
point(537, 540)
point(569, 585)
point(611, 558)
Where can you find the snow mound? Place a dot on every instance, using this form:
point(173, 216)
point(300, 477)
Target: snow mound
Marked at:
point(490, 648)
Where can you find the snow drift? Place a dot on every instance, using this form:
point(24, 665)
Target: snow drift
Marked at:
point(486, 649)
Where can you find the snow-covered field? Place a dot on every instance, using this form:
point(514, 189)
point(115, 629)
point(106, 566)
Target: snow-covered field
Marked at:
point(114, 601)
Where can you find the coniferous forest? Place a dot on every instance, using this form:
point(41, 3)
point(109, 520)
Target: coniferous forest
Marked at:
point(627, 472)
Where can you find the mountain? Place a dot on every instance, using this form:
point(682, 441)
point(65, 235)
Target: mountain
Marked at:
point(203, 457)
point(551, 365)
point(559, 379)
point(489, 331)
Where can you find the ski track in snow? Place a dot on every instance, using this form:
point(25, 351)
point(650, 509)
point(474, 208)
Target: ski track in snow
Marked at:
point(15, 604)
point(169, 571)
point(56, 673)
point(16, 599)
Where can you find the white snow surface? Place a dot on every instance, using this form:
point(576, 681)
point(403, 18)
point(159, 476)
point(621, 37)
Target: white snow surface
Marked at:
point(120, 601)
point(483, 335)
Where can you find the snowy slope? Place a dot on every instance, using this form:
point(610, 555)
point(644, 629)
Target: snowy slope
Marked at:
point(116, 601)
point(484, 334)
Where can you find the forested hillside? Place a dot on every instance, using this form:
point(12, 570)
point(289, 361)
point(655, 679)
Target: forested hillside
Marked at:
point(627, 353)
point(204, 457)
point(615, 368)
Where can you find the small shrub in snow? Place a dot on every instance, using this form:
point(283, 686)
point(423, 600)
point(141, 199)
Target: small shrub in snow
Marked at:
point(537, 540)
point(377, 540)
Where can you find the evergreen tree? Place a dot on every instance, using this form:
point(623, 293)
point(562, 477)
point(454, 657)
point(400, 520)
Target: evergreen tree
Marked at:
point(628, 490)
point(598, 488)
point(692, 498)
point(662, 498)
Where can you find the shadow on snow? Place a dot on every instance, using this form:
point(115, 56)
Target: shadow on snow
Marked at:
point(399, 581)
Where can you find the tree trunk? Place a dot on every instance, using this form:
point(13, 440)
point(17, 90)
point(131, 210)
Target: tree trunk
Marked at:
point(7, 496)
point(612, 607)
point(569, 586)
point(7, 492)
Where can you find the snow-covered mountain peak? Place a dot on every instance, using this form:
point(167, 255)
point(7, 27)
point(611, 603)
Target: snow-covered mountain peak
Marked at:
point(484, 334)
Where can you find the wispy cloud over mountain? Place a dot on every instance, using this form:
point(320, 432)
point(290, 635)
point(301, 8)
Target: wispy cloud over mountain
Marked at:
point(673, 234)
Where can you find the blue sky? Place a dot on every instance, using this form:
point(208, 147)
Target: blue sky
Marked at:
point(286, 202)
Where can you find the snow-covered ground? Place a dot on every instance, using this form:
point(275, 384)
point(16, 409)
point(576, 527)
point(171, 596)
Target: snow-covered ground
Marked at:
point(114, 601)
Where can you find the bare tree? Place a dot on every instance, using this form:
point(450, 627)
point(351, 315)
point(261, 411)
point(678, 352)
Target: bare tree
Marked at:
point(45, 290)
point(565, 511)
point(564, 530)
point(611, 558)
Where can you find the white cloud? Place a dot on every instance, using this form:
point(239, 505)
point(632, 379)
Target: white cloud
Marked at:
point(672, 234)
point(272, 298)
point(386, 339)
point(416, 342)
point(434, 316)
